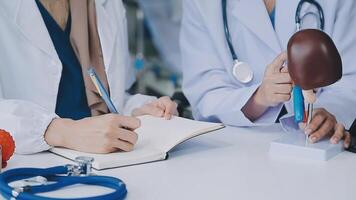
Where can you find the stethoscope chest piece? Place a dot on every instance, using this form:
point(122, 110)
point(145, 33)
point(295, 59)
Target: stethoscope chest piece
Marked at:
point(242, 72)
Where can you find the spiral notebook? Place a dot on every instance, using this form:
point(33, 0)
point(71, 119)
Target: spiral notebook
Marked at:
point(156, 137)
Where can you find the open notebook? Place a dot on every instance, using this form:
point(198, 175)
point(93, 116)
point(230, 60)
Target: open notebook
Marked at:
point(156, 136)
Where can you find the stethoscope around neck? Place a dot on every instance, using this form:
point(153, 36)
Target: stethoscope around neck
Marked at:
point(242, 71)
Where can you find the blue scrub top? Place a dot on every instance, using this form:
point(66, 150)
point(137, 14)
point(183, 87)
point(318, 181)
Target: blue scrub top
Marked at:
point(71, 100)
point(272, 16)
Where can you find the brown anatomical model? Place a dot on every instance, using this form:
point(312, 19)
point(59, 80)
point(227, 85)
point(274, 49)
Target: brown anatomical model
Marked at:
point(313, 59)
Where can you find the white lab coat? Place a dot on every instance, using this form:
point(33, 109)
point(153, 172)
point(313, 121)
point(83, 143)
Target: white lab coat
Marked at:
point(207, 64)
point(30, 69)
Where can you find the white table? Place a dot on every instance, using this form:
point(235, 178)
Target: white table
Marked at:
point(232, 163)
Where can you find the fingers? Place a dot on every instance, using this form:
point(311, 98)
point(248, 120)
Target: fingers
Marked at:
point(170, 107)
point(283, 88)
point(315, 123)
point(162, 107)
point(124, 135)
point(347, 140)
point(159, 104)
point(338, 134)
point(281, 78)
point(130, 123)
point(271, 96)
point(119, 144)
point(325, 129)
point(118, 133)
point(326, 123)
point(149, 109)
point(279, 98)
point(302, 125)
point(276, 65)
point(277, 84)
point(176, 113)
point(284, 70)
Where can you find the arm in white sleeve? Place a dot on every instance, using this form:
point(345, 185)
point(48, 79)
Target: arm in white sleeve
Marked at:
point(214, 96)
point(136, 101)
point(27, 123)
point(340, 98)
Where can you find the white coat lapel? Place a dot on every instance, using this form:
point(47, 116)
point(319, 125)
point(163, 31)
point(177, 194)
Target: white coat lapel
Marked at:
point(107, 27)
point(285, 19)
point(253, 14)
point(31, 24)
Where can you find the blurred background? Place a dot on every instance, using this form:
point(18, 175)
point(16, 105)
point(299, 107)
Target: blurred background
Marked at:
point(153, 30)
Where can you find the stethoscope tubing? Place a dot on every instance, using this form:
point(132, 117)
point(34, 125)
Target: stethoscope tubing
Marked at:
point(298, 20)
point(227, 31)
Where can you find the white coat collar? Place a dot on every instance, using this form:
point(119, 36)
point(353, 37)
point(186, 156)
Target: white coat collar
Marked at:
point(285, 26)
point(285, 19)
point(29, 20)
point(108, 29)
point(253, 14)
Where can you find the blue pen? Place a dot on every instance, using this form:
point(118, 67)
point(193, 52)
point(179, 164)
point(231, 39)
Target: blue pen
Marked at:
point(298, 104)
point(102, 91)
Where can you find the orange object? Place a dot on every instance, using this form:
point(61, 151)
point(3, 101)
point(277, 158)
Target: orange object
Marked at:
point(7, 146)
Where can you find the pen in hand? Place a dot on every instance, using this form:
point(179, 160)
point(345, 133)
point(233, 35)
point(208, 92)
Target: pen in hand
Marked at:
point(102, 91)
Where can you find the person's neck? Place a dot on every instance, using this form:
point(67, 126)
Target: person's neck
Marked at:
point(59, 10)
point(270, 5)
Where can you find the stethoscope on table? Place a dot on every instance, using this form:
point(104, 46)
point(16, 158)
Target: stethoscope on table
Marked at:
point(35, 180)
point(242, 71)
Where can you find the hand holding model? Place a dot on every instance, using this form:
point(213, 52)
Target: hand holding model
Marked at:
point(314, 62)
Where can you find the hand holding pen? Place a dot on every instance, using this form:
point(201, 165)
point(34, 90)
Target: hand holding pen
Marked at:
point(320, 123)
point(162, 107)
point(100, 134)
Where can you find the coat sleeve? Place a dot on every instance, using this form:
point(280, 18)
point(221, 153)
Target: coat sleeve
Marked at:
point(26, 122)
point(212, 93)
point(340, 98)
point(136, 101)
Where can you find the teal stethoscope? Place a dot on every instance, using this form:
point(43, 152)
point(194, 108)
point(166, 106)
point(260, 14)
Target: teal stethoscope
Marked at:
point(242, 71)
point(35, 180)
